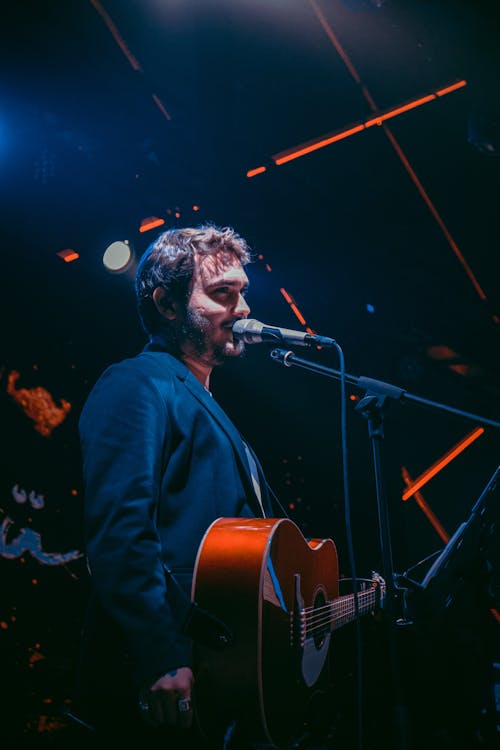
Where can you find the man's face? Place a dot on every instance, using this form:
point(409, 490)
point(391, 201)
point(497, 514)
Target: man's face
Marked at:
point(215, 303)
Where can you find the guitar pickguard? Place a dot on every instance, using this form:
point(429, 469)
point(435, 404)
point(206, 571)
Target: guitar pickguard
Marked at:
point(313, 660)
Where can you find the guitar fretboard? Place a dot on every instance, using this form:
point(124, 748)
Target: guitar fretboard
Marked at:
point(334, 614)
point(343, 608)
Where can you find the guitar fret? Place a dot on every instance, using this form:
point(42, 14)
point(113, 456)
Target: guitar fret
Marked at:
point(335, 613)
point(338, 612)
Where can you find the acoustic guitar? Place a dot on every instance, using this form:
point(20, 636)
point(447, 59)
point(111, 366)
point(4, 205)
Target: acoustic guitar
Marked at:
point(278, 596)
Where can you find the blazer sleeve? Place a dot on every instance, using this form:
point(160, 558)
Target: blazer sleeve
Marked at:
point(125, 434)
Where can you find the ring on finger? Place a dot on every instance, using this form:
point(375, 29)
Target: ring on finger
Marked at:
point(183, 704)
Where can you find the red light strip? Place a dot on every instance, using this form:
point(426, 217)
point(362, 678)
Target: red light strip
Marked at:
point(298, 314)
point(295, 309)
point(431, 516)
point(441, 92)
point(437, 217)
point(161, 106)
point(329, 32)
point(314, 145)
point(68, 255)
point(124, 48)
point(427, 475)
point(148, 224)
point(453, 87)
point(116, 34)
point(378, 119)
point(257, 170)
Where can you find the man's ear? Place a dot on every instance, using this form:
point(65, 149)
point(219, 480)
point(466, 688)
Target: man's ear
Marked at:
point(165, 305)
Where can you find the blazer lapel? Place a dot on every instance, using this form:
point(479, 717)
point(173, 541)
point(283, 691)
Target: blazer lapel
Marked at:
point(202, 395)
point(217, 412)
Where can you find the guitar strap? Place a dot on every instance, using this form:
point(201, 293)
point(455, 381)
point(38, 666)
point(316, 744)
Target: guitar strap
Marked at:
point(197, 622)
point(255, 476)
point(276, 502)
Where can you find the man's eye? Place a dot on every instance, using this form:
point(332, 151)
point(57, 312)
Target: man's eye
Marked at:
point(221, 290)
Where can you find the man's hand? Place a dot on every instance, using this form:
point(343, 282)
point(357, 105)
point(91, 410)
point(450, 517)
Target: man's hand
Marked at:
point(168, 700)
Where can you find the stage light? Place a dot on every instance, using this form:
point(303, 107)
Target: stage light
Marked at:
point(118, 257)
point(378, 119)
point(257, 170)
point(68, 255)
point(151, 223)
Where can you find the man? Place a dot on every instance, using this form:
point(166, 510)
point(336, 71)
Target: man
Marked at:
point(161, 461)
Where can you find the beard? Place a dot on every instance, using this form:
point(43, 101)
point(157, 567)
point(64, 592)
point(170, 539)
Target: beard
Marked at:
point(195, 331)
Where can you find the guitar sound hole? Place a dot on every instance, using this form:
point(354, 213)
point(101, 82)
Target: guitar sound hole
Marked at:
point(320, 631)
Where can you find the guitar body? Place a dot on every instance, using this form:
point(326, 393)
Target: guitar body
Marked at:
point(254, 574)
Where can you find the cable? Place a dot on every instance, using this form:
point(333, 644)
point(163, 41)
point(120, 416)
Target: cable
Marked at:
point(350, 548)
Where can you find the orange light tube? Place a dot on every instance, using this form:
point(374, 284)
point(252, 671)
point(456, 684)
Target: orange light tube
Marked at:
point(427, 475)
point(325, 140)
point(68, 255)
point(430, 205)
point(257, 170)
point(116, 34)
point(432, 208)
point(151, 223)
point(399, 110)
point(425, 508)
point(314, 145)
point(286, 296)
point(161, 106)
point(298, 314)
point(453, 87)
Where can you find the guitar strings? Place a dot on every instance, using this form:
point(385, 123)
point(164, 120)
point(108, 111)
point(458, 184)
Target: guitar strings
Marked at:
point(317, 618)
point(343, 599)
point(337, 612)
point(339, 601)
point(313, 623)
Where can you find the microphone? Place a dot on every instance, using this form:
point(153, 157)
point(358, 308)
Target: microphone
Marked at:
point(254, 332)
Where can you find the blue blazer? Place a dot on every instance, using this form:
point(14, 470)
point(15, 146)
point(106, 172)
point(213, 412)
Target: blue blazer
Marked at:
point(161, 461)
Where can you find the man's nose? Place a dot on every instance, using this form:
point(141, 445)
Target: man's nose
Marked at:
point(242, 308)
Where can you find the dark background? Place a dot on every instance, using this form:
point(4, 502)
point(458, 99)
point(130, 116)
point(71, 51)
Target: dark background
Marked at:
point(86, 154)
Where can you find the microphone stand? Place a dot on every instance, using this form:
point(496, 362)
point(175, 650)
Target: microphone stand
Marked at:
point(373, 405)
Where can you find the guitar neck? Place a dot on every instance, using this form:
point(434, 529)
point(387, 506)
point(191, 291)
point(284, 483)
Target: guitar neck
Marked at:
point(343, 608)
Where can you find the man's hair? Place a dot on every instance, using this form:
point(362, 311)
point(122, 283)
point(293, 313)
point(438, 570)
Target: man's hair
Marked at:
point(169, 263)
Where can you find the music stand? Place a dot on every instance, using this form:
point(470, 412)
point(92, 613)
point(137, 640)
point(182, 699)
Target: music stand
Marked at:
point(455, 632)
point(468, 548)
